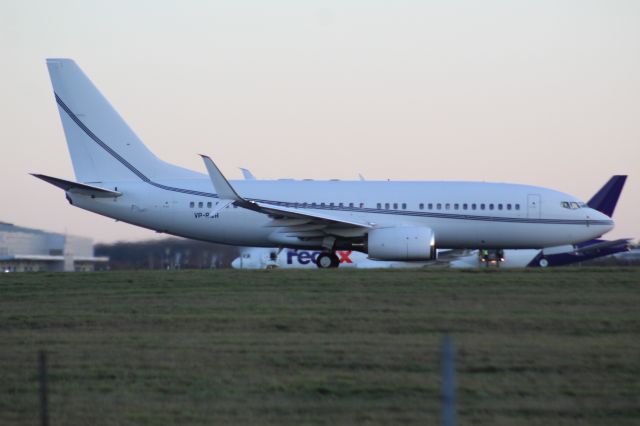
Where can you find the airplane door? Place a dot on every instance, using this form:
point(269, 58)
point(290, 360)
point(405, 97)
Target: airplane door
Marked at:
point(533, 206)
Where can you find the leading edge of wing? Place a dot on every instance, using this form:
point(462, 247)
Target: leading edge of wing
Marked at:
point(303, 213)
point(226, 191)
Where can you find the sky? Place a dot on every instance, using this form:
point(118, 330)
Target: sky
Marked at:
point(544, 93)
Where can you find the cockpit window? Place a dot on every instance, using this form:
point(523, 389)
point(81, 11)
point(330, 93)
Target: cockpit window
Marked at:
point(573, 205)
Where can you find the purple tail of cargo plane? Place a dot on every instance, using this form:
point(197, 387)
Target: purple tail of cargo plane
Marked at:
point(606, 199)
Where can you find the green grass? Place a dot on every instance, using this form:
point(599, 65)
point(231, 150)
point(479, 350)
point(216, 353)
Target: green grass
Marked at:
point(553, 347)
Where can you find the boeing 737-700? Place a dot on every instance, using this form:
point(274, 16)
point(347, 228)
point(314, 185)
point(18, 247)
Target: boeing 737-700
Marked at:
point(119, 177)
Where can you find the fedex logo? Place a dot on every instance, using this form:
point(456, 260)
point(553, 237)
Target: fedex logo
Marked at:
point(304, 257)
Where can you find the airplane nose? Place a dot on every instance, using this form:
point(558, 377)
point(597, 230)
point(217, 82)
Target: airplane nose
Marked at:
point(237, 263)
point(600, 221)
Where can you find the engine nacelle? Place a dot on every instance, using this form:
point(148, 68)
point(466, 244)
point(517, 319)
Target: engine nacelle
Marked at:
point(401, 243)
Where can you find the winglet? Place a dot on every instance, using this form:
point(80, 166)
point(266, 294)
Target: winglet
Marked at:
point(247, 174)
point(221, 185)
point(606, 199)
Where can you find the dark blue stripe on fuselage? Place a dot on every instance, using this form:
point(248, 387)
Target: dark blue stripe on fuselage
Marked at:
point(145, 179)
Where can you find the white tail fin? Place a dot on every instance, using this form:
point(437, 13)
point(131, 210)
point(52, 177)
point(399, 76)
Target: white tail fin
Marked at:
point(101, 144)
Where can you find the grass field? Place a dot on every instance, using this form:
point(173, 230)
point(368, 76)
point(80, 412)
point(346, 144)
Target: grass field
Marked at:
point(553, 347)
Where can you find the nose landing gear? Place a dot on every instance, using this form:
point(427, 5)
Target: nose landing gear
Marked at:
point(491, 257)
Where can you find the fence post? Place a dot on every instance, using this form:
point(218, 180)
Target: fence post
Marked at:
point(42, 376)
point(447, 363)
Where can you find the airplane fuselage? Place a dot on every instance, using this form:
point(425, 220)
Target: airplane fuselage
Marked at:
point(461, 214)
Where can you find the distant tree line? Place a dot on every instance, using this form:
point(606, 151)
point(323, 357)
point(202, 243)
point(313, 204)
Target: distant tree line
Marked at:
point(169, 253)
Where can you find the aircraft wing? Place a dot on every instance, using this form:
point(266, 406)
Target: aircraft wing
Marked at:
point(292, 212)
point(79, 188)
point(226, 191)
point(591, 248)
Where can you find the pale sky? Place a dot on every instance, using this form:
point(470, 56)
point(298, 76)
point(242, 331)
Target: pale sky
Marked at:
point(537, 92)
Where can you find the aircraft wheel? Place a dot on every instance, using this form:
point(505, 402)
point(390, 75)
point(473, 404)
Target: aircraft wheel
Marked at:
point(327, 260)
point(543, 263)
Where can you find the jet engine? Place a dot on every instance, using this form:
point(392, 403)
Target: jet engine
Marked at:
point(401, 243)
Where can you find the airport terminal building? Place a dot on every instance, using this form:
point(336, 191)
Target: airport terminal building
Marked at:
point(31, 250)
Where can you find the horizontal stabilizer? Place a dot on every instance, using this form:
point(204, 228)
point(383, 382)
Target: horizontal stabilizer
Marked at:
point(606, 199)
point(79, 188)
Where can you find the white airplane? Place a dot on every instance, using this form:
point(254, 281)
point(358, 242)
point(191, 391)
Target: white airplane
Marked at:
point(119, 177)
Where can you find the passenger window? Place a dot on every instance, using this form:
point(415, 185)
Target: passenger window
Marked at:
point(351, 205)
point(200, 205)
point(456, 206)
point(322, 204)
point(192, 204)
point(499, 206)
point(395, 206)
point(386, 206)
point(421, 206)
point(508, 206)
point(209, 204)
point(430, 206)
point(490, 206)
point(379, 205)
point(361, 205)
point(464, 206)
point(473, 206)
point(482, 206)
point(517, 206)
point(439, 206)
point(404, 206)
point(313, 205)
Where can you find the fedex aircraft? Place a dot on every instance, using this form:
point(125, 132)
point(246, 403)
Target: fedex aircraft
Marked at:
point(268, 258)
point(119, 177)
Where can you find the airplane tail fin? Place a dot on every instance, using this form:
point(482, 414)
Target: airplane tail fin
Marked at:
point(606, 199)
point(101, 144)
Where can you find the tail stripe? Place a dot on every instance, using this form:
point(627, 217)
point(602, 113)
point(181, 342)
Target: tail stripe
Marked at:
point(98, 141)
point(124, 162)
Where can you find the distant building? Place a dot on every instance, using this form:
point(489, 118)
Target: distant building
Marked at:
point(30, 250)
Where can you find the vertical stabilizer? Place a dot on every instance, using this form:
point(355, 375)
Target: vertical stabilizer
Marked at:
point(101, 144)
point(606, 199)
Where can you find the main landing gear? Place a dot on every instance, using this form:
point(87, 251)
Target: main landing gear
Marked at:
point(327, 260)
